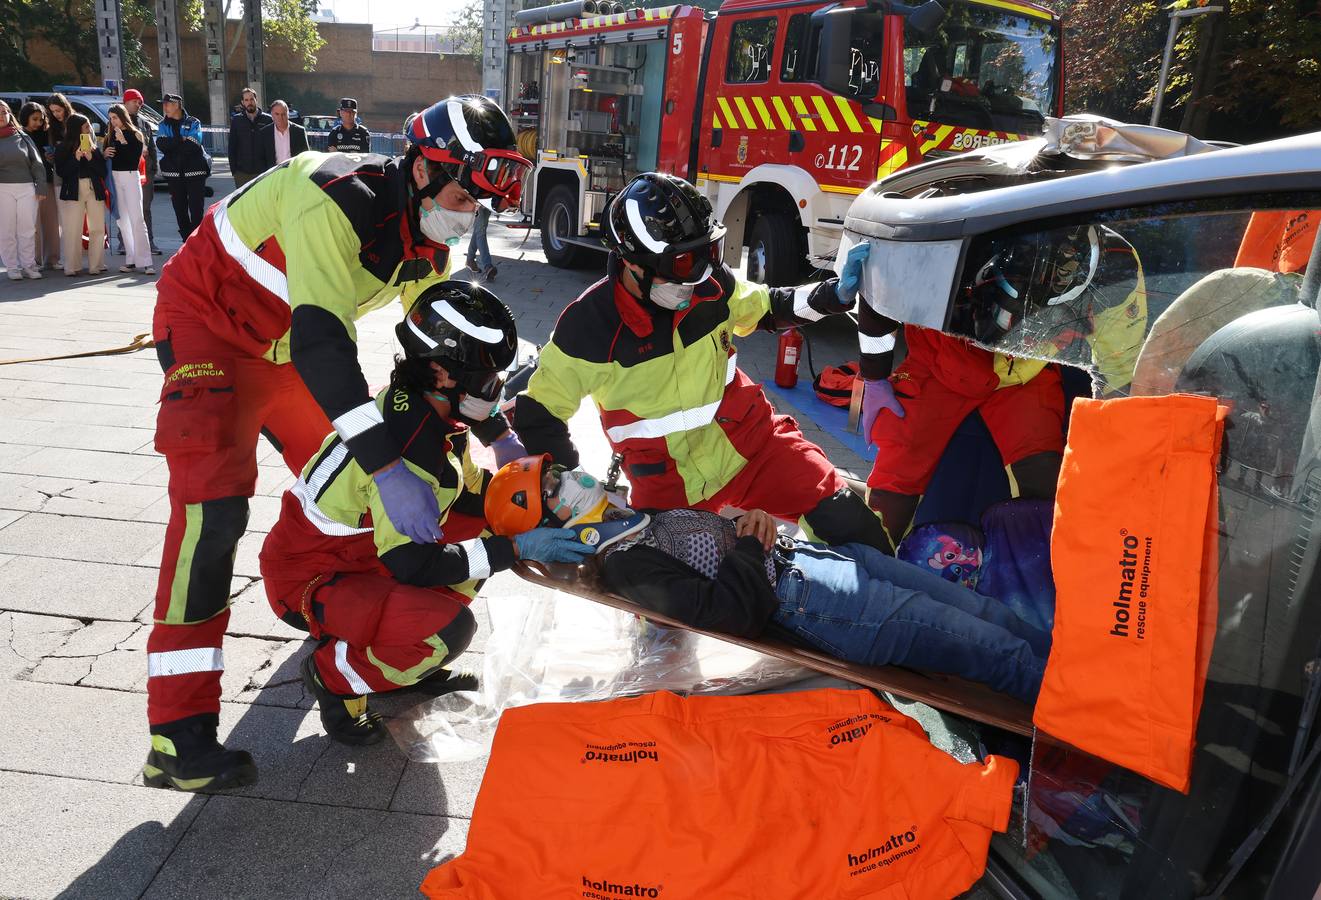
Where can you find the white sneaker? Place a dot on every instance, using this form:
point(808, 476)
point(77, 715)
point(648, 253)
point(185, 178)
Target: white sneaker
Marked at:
point(32, 272)
point(15, 274)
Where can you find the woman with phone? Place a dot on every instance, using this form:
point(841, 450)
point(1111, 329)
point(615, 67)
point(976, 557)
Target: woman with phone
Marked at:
point(123, 146)
point(33, 117)
point(81, 167)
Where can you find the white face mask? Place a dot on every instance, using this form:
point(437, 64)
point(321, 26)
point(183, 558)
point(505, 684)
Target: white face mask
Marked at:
point(445, 226)
point(672, 295)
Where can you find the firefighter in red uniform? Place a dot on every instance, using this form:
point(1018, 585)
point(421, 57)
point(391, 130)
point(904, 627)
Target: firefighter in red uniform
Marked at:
point(1039, 294)
point(254, 327)
point(652, 345)
point(389, 612)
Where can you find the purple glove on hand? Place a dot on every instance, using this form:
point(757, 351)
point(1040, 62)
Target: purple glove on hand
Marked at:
point(876, 396)
point(508, 448)
point(410, 503)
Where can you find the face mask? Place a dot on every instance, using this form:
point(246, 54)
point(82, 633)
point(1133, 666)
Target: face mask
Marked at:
point(671, 295)
point(445, 226)
point(582, 495)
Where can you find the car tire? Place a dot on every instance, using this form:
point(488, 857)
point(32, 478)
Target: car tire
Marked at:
point(558, 220)
point(775, 257)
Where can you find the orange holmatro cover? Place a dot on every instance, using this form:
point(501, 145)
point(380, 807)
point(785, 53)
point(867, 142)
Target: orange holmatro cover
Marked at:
point(1134, 553)
point(827, 793)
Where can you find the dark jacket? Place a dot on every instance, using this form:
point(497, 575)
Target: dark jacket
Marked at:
point(739, 600)
point(127, 154)
point(349, 140)
point(41, 138)
point(297, 142)
point(245, 144)
point(182, 154)
point(71, 169)
point(149, 134)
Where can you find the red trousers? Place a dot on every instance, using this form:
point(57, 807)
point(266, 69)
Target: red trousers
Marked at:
point(787, 476)
point(939, 384)
point(215, 401)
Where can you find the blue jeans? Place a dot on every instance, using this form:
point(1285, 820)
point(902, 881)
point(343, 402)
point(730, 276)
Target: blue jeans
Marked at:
point(858, 604)
point(477, 247)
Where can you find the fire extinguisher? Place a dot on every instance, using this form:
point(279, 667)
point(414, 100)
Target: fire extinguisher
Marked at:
point(786, 359)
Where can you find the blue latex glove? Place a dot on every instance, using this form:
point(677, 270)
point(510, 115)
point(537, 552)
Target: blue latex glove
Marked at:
point(846, 286)
point(410, 503)
point(876, 396)
point(507, 448)
point(552, 545)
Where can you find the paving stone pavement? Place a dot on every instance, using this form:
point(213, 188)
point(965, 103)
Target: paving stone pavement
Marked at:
point(82, 512)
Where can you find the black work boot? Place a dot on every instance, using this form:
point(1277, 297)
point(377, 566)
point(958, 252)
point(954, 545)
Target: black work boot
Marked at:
point(345, 719)
point(441, 682)
point(185, 756)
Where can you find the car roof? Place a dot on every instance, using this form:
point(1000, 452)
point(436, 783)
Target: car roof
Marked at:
point(1289, 164)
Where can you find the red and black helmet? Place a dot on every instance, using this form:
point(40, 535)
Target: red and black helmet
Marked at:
point(473, 141)
point(662, 223)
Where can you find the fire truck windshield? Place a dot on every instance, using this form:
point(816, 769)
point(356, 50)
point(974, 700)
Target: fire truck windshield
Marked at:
point(983, 68)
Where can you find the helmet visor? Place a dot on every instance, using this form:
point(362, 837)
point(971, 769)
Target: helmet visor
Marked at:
point(494, 173)
point(691, 266)
point(485, 385)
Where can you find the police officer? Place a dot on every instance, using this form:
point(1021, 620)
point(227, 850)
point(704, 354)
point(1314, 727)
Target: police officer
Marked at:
point(652, 345)
point(349, 136)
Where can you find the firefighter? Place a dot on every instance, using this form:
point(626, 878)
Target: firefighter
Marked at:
point(1039, 293)
point(389, 612)
point(254, 327)
point(652, 345)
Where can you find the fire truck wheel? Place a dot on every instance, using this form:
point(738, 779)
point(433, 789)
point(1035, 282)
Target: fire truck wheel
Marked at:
point(559, 219)
point(774, 256)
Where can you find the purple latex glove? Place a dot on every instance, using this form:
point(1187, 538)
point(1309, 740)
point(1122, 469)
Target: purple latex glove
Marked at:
point(507, 448)
point(877, 395)
point(410, 503)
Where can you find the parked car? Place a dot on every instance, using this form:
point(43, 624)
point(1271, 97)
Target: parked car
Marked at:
point(1250, 825)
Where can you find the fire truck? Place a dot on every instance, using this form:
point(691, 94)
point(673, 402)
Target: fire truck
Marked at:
point(780, 112)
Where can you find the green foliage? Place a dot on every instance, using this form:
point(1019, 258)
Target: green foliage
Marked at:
point(468, 29)
point(1249, 74)
point(69, 25)
point(286, 23)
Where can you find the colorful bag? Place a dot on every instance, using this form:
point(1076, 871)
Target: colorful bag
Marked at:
point(1134, 552)
point(827, 793)
point(835, 384)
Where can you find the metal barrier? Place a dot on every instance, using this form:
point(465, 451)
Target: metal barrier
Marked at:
point(216, 141)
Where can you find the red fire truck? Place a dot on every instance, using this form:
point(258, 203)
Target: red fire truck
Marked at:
point(781, 112)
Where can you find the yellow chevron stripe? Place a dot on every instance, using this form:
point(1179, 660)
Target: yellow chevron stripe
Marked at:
point(646, 14)
point(801, 108)
point(826, 118)
point(764, 113)
point(1015, 7)
point(894, 163)
point(786, 122)
point(847, 114)
point(715, 119)
point(875, 124)
point(942, 132)
point(745, 113)
point(730, 119)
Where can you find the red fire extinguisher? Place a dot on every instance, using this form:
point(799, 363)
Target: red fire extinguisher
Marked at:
point(786, 359)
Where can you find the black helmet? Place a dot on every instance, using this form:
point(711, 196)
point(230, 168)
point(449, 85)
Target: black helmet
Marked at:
point(465, 328)
point(661, 223)
point(473, 141)
point(1024, 273)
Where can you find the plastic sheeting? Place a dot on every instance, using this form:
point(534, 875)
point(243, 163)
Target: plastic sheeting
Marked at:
point(560, 648)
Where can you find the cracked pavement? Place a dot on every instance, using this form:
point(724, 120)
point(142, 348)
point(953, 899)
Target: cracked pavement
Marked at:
point(82, 511)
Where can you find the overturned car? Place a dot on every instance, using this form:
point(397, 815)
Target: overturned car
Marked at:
point(1150, 264)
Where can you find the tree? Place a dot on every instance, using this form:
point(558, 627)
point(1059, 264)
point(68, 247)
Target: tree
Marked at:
point(70, 26)
point(288, 22)
point(467, 31)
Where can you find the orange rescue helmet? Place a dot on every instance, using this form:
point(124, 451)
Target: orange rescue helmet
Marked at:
point(513, 498)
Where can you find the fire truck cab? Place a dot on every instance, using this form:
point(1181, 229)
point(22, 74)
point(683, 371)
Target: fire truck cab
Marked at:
point(781, 113)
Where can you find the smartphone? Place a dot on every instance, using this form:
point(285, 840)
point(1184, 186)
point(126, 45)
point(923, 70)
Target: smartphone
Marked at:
point(85, 143)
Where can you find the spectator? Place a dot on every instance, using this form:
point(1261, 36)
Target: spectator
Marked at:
point(479, 251)
point(60, 110)
point(349, 136)
point(33, 118)
point(133, 101)
point(282, 139)
point(22, 179)
point(246, 159)
point(123, 145)
point(185, 163)
point(81, 167)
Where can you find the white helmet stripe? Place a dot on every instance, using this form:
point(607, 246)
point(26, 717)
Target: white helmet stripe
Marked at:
point(634, 213)
point(484, 333)
point(421, 335)
point(460, 126)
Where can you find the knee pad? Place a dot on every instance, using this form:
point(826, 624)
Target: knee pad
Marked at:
point(209, 546)
point(458, 634)
point(844, 518)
